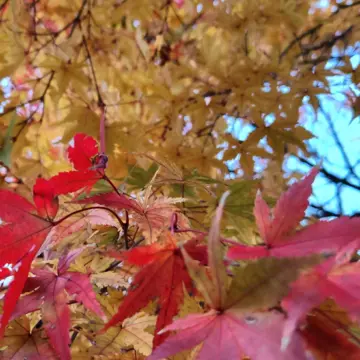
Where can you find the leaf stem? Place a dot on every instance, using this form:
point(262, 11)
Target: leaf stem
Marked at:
point(107, 179)
point(102, 130)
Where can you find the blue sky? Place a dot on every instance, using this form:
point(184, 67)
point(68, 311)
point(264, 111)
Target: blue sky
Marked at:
point(335, 112)
point(347, 129)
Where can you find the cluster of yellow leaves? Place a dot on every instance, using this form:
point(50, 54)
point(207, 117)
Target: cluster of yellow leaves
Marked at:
point(169, 78)
point(129, 338)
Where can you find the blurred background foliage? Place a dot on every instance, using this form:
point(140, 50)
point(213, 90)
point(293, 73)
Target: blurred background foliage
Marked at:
point(248, 94)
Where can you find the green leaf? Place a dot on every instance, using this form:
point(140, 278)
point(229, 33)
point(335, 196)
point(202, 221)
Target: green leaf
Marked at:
point(241, 199)
point(243, 230)
point(100, 187)
point(262, 284)
point(182, 190)
point(109, 237)
point(202, 178)
point(7, 144)
point(138, 177)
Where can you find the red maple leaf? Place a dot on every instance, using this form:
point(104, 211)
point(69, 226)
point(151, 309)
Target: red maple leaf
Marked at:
point(47, 292)
point(113, 200)
point(277, 230)
point(22, 232)
point(45, 198)
point(328, 338)
point(84, 150)
point(23, 227)
point(162, 277)
point(335, 278)
point(224, 332)
point(87, 163)
point(71, 181)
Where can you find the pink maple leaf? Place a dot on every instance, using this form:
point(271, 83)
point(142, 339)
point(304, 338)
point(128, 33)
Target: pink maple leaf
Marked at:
point(46, 284)
point(224, 332)
point(335, 278)
point(47, 292)
point(45, 199)
point(150, 214)
point(229, 336)
point(277, 229)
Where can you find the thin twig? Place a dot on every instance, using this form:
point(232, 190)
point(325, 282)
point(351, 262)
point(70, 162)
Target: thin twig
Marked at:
point(298, 39)
point(331, 176)
point(57, 222)
point(100, 100)
point(336, 138)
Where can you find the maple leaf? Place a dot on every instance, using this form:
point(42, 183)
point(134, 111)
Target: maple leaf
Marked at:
point(89, 167)
point(327, 332)
point(22, 233)
point(56, 316)
point(268, 276)
point(71, 181)
point(335, 278)
point(129, 341)
point(84, 149)
point(47, 284)
point(169, 80)
point(114, 200)
point(150, 215)
point(78, 222)
point(321, 237)
point(47, 292)
point(110, 278)
point(20, 342)
point(228, 336)
point(46, 202)
point(117, 341)
point(162, 277)
point(223, 331)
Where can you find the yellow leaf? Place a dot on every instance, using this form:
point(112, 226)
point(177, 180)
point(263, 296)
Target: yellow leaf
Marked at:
point(110, 278)
point(21, 343)
point(118, 339)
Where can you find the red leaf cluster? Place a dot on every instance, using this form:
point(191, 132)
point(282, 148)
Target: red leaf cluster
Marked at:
point(162, 277)
point(173, 265)
point(47, 291)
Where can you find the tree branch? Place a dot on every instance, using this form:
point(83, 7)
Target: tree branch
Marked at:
point(100, 100)
point(336, 138)
point(335, 179)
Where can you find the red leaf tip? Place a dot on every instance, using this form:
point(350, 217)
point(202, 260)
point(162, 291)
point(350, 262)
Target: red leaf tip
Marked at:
point(45, 199)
